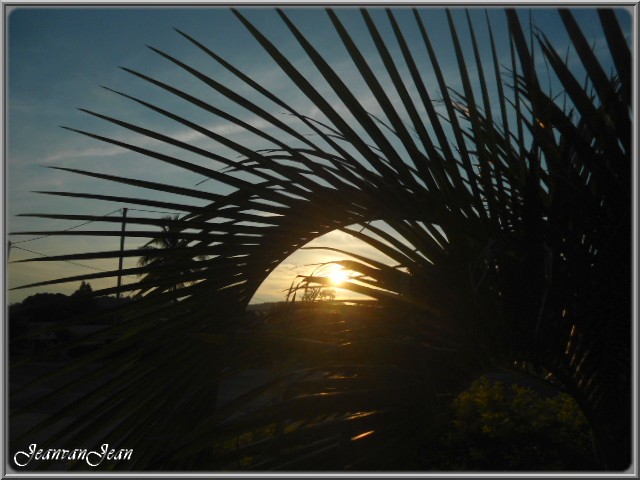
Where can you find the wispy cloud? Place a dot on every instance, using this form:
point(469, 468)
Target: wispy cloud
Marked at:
point(83, 153)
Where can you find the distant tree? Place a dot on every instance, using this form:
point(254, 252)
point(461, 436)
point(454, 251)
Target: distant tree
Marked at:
point(83, 290)
point(163, 254)
point(327, 294)
point(82, 301)
point(42, 307)
point(311, 293)
point(53, 307)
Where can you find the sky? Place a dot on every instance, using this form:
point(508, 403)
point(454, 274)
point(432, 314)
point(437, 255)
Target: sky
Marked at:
point(59, 58)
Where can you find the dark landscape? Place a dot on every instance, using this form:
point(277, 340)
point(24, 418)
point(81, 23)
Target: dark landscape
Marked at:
point(485, 159)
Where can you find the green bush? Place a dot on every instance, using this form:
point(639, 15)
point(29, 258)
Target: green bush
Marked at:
point(494, 427)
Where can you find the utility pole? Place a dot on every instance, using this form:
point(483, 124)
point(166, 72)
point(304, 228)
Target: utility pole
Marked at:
point(124, 223)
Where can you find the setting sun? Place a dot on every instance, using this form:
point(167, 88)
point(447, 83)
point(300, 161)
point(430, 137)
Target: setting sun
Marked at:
point(337, 277)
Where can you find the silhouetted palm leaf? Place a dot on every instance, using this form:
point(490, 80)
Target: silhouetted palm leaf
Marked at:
point(506, 211)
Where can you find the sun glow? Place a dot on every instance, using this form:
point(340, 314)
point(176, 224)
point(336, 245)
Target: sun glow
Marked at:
point(338, 277)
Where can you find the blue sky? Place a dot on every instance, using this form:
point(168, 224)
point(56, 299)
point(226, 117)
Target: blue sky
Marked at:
point(58, 58)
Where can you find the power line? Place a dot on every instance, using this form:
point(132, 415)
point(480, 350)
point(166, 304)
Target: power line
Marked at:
point(151, 211)
point(13, 244)
point(66, 230)
point(66, 261)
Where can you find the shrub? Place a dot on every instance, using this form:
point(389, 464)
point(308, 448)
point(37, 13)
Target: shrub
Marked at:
point(494, 427)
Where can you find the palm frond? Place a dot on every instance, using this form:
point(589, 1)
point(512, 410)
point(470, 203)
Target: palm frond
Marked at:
point(505, 211)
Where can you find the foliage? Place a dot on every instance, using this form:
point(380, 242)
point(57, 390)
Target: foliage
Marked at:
point(159, 253)
point(54, 307)
point(318, 293)
point(495, 427)
point(41, 307)
point(84, 290)
point(312, 287)
point(29, 321)
point(504, 207)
